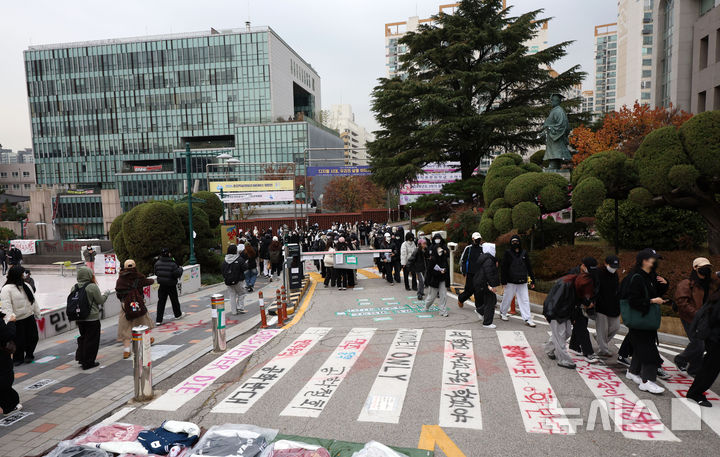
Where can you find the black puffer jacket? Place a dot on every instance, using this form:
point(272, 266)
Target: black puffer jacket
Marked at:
point(485, 272)
point(608, 296)
point(434, 277)
point(167, 271)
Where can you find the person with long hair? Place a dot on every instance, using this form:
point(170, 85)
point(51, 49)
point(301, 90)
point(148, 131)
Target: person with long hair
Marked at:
point(129, 288)
point(251, 274)
point(276, 257)
point(18, 300)
point(89, 340)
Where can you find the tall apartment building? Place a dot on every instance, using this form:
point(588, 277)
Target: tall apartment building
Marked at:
point(354, 136)
point(686, 55)
point(588, 101)
point(109, 118)
point(605, 67)
point(635, 29)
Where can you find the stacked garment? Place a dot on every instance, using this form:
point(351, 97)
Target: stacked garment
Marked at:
point(232, 440)
point(78, 451)
point(171, 439)
point(286, 448)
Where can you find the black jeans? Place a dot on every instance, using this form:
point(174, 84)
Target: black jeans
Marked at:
point(646, 358)
point(88, 342)
point(580, 337)
point(163, 293)
point(329, 276)
point(26, 338)
point(342, 276)
point(469, 289)
point(485, 304)
point(407, 274)
point(393, 271)
point(9, 398)
point(708, 372)
point(693, 353)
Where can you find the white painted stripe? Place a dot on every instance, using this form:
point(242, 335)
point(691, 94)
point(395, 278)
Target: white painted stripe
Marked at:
point(311, 400)
point(539, 406)
point(459, 393)
point(385, 401)
point(118, 415)
point(632, 418)
point(253, 388)
point(192, 386)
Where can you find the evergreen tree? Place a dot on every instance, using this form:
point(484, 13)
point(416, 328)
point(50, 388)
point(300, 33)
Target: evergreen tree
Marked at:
point(470, 88)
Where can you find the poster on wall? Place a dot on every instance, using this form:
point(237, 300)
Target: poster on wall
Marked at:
point(228, 236)
point(110, 264)
point(25, 246)
point(431, 181)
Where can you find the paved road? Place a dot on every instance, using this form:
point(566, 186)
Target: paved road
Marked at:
point(368, 364)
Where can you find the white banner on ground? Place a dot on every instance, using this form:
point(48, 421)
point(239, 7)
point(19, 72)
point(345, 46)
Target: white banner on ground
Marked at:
point(311, 400)
point(459, 393)
point(253, 389)
point(539, 407)
point(192, 386)
point(385, 401)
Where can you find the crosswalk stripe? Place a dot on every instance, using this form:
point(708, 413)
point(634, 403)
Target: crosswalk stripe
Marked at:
point(385, 401)
point(459, 393)
point(311, 400)
point(539, 406)
point(251, 390)
point(631, 416)
point(192, 386)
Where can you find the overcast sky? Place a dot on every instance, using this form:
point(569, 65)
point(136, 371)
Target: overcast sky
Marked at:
point(342, 39)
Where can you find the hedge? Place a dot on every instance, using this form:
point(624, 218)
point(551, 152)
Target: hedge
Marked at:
point(659, 152)
point(701, 137)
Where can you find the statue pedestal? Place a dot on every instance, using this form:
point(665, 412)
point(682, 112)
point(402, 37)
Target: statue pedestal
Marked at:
point(564, 172)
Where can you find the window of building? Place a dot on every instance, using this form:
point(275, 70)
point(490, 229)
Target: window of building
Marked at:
point(15, 174)
point(646, 73)
point(647, 40)
point(3, 175)
point(26, 186)
point(645, 96)
point(701, 102)
point(716, 102)
point(717, 45)
point(16, 186)
point(26, 174)
point(706, 5)
point(704, 44)
point(647, 62)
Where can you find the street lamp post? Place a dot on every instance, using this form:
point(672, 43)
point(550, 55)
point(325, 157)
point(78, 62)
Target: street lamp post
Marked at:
point(192, 259)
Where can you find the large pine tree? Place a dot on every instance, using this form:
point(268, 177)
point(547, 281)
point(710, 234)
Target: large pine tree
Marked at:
point(470, 88)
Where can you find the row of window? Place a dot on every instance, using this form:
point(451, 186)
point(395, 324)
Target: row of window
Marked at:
point(15, 174)
point(16, 186)
point(80, 209)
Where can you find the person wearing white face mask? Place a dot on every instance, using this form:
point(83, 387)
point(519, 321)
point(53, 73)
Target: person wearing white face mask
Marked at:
point(438, 277)
point(607, 319)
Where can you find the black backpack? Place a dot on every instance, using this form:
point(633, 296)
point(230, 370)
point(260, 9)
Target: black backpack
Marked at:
point(701, 327)
point(233, 272)
point(560, 300)
point(78, 305)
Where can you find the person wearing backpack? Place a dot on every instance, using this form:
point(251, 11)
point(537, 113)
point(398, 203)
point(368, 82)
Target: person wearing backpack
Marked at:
point(607, 317)
point(233, 268)
point(418, 264)
point(406, 249)
point(468, 260)
point(251, 273)
point(641, 297)
point(275, 254)
point(18, 300)
point(585, 298)
point(514, 274)
point(710, 366)
point(167, 272)
point(130, 291)
point(89, 327)
point(438, 277)
point(690, 294)
point(558, 309)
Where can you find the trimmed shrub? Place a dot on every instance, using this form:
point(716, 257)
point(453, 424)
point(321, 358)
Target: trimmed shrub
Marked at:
point(433, 227)
point(503, 220)
point(525, 215)
point(587, 196)
point(149, 227)
point(537, 158)
point(6, 235)
point(526, 187)
point(212, 206)
point(531, 167)
point(487, 229)
point(553, 196)
point(701, 138)
point(683, 176)
point(494, 206)
point(641, 196)
point(659, 152)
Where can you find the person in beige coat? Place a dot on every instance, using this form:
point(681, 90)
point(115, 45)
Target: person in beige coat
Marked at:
point(17, 299)
point(129, 287)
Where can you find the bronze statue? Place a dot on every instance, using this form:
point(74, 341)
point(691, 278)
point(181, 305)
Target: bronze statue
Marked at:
point(557, 129)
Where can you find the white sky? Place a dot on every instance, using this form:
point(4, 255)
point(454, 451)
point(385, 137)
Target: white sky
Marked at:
point(342, 39)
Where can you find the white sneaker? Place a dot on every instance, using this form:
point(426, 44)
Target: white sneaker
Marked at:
point(504, 317)
point(530, 323)
point(181, 316)
point(649, 386)
point(592, 358)
point(490, 326)
point(633, 377)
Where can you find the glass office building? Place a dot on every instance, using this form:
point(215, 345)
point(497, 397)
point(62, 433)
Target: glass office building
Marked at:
point(111, 117)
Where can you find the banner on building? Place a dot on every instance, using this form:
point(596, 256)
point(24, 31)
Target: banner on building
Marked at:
point(431, 181)
point(110, 264)
point(228, 236)
point(258, 197)
point(25, 246)
point(146, 168)
point(359, 170)
point(271, 185)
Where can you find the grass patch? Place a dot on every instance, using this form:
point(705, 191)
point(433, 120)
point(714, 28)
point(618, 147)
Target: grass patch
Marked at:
point(210, 279)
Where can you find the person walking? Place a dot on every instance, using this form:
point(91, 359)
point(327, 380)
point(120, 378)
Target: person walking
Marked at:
point(342, 274)
point(275, 255)
point(329, 262)
point(167, 272)
point(514, 275)
point(89, 340)
point(9, 398)
point(418, 264)
point(264, 255)
point(29, 280)
point(438, 277)
point(709, 369)
point(394, 264)
point(558, 309)
point(486, 279)
point(233, 271)
point(15, 256)
point(18, 300)
point(644, 288)
point(3, 259)
point(607, 317)
point(251, 274)
point(129, 288)
point(468, 261)
point(88, 256)
point(407, 248)
point(690, 294)
point(585, 293)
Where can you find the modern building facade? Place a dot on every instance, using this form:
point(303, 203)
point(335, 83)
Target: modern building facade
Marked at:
point(605, 67)
point(110, 118)
point(635, 42)
point(354, 136)
point(17, 178)
point(588, 101)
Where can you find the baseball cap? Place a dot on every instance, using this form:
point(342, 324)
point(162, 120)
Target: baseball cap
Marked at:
point(589, 262)
point(129, 263)
point(476, 236)
point(613, 261)
point(647, 253)
point(387, 235)
point(700, 262)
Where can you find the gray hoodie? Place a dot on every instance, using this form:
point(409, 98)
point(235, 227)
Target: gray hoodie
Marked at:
point(230, 258)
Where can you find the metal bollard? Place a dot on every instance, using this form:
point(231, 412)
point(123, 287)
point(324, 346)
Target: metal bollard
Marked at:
point(263, 318)
point(218, 322)
point(142, 363)
point(278, 309)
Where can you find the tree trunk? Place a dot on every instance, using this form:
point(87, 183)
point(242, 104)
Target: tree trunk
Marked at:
point(711, 215)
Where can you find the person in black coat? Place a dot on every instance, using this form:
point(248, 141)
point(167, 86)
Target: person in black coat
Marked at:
point(710, 367)
point(487, 278)
point(438, 277)
point(607, 305)
point(468, 260)
point(9, 398)
point(515, 271)
point(168, 272)
point(418, 264)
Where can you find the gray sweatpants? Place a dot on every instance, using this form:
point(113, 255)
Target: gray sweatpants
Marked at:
point(605, 330)
point(560, 333)
point(441, 294)
point(235, 297)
